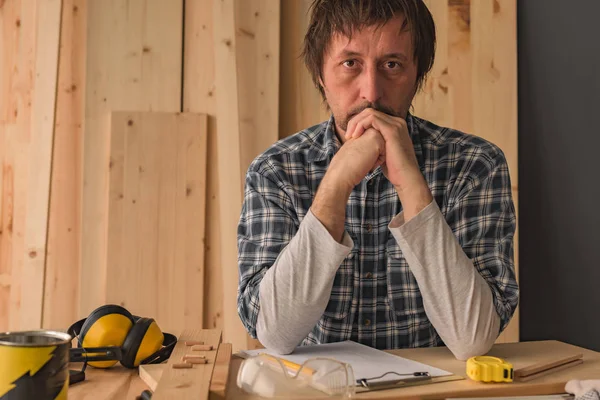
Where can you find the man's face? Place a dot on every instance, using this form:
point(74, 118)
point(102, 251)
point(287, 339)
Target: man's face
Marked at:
point(374, 69)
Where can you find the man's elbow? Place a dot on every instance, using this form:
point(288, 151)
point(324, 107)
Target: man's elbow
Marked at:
point(277, 344)
point(467, 349)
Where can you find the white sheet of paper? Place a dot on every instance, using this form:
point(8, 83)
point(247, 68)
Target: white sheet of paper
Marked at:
point(366, 361)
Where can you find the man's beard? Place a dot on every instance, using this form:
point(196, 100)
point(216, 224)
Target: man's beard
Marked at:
point(343, 123)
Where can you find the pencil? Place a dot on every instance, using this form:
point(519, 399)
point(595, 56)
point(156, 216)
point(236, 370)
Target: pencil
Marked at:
point(290, 364)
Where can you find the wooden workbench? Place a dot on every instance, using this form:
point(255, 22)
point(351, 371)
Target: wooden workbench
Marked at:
point(121, 384)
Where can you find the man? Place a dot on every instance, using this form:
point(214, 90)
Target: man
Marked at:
point(376, 226)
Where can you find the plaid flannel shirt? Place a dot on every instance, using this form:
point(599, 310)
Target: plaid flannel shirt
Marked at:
point(469, 180)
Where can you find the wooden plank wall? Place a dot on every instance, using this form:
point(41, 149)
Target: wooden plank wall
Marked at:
point(29, 43)
point(131, 65)
point(300, 104)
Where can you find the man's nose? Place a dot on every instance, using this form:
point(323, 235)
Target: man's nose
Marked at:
point(371, 85)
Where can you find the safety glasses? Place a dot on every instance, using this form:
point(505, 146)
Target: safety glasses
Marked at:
point(273, 377)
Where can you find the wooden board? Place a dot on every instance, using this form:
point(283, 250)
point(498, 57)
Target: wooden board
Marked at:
point(220, 377)
point(47, 31)
point(131, 65)
point(199, 96)
point(17, 52)
point(156, 216)
point(257, 44)
point(300, 104)
point(473, 84)
point(230, 175)
point(151, 373)
point(193, 383)
point(62, 261)
point(115, 383)
point(29, 40)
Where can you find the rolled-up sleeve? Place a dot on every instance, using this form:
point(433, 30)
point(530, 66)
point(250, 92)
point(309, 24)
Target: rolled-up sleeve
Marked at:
point(267, 224)
point(483, 219)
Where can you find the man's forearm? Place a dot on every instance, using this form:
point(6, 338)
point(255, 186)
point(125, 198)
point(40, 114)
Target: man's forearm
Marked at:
point(456, 298)
point(295, 290)
point(329, 206)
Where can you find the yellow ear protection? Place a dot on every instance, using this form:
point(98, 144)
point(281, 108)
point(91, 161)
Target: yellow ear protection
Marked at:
point(111, 334)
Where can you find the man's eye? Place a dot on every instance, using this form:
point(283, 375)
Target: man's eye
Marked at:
point(349, 63)
point(392, 65)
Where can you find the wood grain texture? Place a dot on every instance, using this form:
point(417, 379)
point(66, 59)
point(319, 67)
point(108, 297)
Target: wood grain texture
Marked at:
point(473, 84)
point(47, 31)
point(193, 383)
point(220, 377)
point(300, 104)
point(29, 43)
point(230, 171)
point(199, 96)
point(17, 51)
point(115, 383)
point(61, 291)
point(151, 373)
point(131, 65)
point(257, 46)
point(157, 196)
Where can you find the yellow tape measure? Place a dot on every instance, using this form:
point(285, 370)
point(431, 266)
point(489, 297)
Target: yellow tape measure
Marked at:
point(489, 369)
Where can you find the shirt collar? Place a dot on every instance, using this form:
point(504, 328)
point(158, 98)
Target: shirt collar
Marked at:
point(326, 143)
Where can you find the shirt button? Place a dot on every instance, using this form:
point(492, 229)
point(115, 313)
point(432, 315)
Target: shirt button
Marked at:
point(368, 275)
point(369, 228)
point(367, 322)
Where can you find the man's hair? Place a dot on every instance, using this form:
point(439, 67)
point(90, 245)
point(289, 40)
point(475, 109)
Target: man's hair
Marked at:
point(330, 17)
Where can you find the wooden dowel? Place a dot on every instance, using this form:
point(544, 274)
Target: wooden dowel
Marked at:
point(202, 347)
point(182, 365)
point(192, 357)
point(193, 342)
point(196, 361)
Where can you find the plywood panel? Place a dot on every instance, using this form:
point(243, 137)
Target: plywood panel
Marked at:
point(30, 37)
point(473, 84)
point(199, 96)
point(61, 292)
point(300, 104)
point(157, 196)
point(131, 65)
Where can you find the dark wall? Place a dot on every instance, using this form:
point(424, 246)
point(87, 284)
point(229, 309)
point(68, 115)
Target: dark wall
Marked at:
point(559, 170)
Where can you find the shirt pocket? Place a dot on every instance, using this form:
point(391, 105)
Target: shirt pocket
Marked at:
point(340, 299)
point(403, 292)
